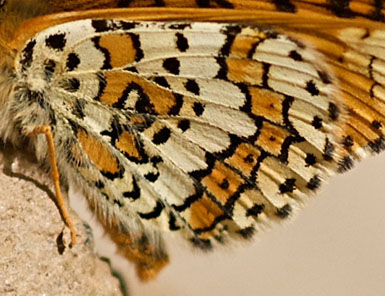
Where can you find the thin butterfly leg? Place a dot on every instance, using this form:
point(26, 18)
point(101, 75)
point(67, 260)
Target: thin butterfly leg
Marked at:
point(47, 131)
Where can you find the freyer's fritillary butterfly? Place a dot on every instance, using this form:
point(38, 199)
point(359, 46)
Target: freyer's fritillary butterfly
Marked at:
point(210, 123)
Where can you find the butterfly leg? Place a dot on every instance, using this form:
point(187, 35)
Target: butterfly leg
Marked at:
point(47, 131)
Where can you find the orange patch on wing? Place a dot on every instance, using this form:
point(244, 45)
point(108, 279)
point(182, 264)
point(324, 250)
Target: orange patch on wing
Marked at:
point(271, 138)
point(361, 7)
point(364, 130)
point(328, 47)
point(148, 258)
point(161, 100)
point(357, 96)
point(98, 153)
point(357, 139)
point(120, 47)
point(245, 42)
point(116, 83)
point(244, 158)
point(223, 182)
point(203, 213)
point(245, 71)
point(267, 104)
point(128, 144)
point(76, 154)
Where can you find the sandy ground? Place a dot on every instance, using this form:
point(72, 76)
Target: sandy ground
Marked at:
point(34, 255)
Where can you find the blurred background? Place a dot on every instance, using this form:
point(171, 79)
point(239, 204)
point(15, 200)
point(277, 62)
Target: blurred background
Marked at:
point(335, 246)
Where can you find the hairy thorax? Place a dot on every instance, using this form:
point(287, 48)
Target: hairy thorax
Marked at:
point(11, 17)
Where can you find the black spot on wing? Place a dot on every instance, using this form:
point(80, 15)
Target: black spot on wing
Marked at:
point(324, 77)
point(56, 41)
point(247, 232)
point(255, 210)
point(284, 211)
point(27, 55)
point(377, 145)
point(181, 42)
point(162, 81)
point(334, 112)
point(152, 177)
point(310, 159)
point(317, 122)
point(161, 136)
point(312, 88)
point(376, 124)
point(198, 108)
point(345, 164)
point(348, 141)
point(328, 150)
point(172, 65)
point(73, 61)
point(192, 86)
point(314, 183)
point(127, 25)
point(203, 244)
point(99, 184)
point(132, 70)
point(184, 124)
point(101, 25)
point(155, 160)
point(180, 26)
point(224, 184)
point(249, 158)
point(288, 186)
point(295, 56)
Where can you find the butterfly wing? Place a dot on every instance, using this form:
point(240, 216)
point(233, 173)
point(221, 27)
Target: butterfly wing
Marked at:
point(202, 132)
point(169, 130)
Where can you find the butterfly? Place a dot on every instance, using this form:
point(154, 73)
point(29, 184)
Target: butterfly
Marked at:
point(209, 119)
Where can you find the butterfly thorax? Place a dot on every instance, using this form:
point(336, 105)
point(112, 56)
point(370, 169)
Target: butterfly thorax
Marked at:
point(11, 16)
